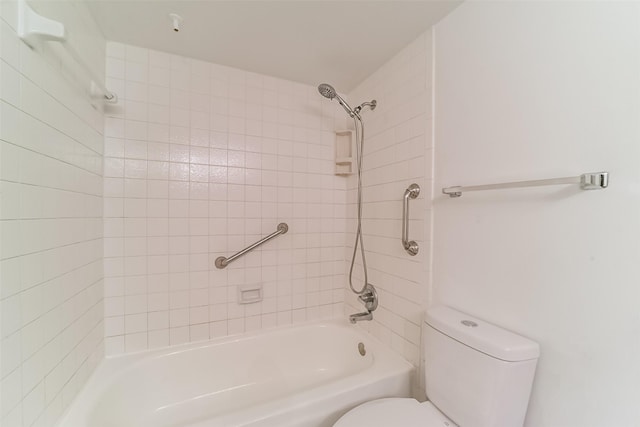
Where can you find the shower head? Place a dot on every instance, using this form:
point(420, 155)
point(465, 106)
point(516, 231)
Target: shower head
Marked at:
point(328, 91)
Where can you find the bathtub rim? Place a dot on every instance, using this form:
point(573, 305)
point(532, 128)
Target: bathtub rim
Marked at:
point(111, 367)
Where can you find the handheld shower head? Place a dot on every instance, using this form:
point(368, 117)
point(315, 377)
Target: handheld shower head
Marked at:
point(329, 92)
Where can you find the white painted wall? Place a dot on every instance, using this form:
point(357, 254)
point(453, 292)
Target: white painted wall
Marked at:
point(50, 218)
point(540, 90)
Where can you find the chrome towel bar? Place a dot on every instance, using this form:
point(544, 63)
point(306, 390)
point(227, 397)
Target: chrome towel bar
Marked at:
point(222, 262)
point(587, 181)
point(411, 247)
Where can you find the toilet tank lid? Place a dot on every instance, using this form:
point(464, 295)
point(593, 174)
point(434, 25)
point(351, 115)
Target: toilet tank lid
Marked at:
point(484, 337)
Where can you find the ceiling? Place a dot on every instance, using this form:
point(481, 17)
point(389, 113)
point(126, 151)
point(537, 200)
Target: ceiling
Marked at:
point(341, 42)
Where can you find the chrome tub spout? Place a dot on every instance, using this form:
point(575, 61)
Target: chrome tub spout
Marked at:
point(366, 315)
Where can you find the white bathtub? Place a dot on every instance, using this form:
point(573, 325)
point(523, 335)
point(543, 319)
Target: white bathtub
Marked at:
point(299, 376)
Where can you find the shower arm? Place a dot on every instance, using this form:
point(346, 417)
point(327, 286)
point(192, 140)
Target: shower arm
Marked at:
point(371, 105)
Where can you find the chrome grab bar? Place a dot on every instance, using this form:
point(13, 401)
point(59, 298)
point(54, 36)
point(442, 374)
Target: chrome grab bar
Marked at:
point(222, 262)
point(587, 181)
point(410, 246)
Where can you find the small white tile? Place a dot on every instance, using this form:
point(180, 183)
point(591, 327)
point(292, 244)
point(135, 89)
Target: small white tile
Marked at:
point(179, 335)
point(135, 304)
point(158, 338)
point(284, 318)
point(218, 329)
point(33, 404)
point(11, 353)
point(198, 315)
point(199, 332)
point(178, 318)
point(158, 320)
point(135, 342)
point(135, 323)
point(114, 326)
point(114, 345)
point(136, 54)
point(236, 326)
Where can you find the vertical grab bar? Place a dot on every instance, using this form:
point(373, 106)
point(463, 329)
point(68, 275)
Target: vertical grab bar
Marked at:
point(410, 246)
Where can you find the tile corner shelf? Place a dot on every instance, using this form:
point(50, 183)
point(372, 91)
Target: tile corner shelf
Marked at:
point(344, 152)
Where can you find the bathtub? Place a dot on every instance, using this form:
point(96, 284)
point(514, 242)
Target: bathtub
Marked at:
point(303, 376)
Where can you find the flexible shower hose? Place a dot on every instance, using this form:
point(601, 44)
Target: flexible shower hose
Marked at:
point(359, 155)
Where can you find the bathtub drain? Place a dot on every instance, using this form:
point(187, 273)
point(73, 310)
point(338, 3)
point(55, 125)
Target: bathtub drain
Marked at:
point(361, 349)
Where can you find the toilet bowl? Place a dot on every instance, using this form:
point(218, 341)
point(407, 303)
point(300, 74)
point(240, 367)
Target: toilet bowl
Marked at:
point(476, 374)
point(395, 412)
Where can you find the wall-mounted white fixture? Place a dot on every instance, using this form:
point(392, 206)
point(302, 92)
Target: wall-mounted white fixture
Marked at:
point(34, 29)
point(176, 20)
point(344, 152)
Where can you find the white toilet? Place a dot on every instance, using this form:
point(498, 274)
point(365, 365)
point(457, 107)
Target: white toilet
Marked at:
point(477, 375)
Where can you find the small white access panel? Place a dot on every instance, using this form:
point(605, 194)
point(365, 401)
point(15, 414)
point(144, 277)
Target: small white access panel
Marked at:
point(248, 294)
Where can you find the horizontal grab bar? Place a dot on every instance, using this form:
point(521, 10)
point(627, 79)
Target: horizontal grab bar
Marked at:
point(587, 181)
point(222, 262)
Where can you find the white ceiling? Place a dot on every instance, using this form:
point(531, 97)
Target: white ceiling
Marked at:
point(340, 42)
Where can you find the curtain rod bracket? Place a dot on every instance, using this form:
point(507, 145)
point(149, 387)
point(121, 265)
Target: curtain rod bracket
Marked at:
point(34, 28)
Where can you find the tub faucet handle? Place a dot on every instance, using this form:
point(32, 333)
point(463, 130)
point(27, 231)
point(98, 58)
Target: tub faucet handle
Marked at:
point(369, 297)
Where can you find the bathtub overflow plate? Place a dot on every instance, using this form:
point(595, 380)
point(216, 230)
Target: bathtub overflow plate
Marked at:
point(361, 349)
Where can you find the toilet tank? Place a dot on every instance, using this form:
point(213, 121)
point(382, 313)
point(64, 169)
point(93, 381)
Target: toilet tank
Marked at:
point(477, 374)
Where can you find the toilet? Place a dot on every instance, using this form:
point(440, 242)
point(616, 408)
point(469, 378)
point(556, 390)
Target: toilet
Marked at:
point(476, 375)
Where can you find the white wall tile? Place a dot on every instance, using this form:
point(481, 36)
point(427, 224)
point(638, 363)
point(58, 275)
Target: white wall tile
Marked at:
point(52, 174)
point(395, 157)
point(203, 195)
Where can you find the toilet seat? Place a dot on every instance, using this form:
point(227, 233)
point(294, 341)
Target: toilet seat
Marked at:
point(394, 412)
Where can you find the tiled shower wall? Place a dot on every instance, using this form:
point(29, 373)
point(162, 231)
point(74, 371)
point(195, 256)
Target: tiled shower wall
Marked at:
point(202, 160)
point(50, 218)
point(398, 152)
